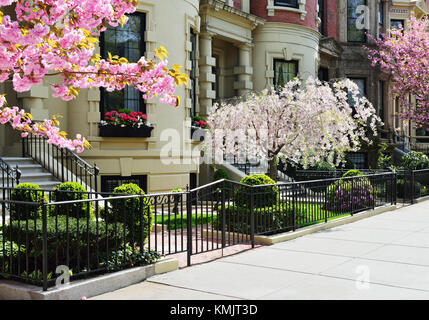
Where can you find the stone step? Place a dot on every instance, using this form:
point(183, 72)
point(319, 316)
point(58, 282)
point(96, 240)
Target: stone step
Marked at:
point(31, 168)
point(31, 172)
point(13, 161)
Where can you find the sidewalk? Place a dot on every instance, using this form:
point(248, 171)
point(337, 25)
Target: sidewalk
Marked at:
point(381, 257)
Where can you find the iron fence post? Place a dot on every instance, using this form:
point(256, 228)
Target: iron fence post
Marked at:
point(96, 171)
point(45, 249)
point(293, 207)
point(413, 191)
point(17, 174)
point(252, 217)
point(325, 202)
point(223, 214)
point(189, 224)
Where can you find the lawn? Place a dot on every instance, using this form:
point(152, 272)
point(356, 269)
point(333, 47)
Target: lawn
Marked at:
point(179, 222)
point(309, 213)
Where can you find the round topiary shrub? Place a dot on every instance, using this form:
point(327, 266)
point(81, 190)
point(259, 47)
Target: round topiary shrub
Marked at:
point(220, 174)
point(72, 191)
point(26, 192)
point(345, 196)
point(352, 173)
point(135, 213)
point(263, 196)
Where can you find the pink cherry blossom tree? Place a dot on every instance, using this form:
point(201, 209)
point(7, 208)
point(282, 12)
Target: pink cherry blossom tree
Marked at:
point(404, 53)
point(57, 38)
point(304, 122)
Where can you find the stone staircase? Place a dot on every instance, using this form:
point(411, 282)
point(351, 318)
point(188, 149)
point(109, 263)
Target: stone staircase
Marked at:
point(31, 172)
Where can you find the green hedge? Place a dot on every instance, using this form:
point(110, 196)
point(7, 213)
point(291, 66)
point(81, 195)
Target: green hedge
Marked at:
point(263, 196)
point(350, 195)
point(75, 210)
point(415, 161)
point(220, 174)
point(27, 192)
point(61, 231)
point(352, 173)
point(136, 211)
point(237, 219)
point(402, 185)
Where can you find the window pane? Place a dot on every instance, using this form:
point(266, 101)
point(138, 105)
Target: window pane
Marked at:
point(396, 24)
point(284, 71)
point(361, 85)
point(286, 3)
point(109, 183)
point(128, 42)
point(354, 34)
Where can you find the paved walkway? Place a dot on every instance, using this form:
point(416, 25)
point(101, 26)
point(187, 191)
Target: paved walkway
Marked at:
point(382, 257)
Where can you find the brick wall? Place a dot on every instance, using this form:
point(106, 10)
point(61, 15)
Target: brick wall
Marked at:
point(331, 18)
point(259, 8)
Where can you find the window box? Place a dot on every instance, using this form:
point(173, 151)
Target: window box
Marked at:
point(125, 132)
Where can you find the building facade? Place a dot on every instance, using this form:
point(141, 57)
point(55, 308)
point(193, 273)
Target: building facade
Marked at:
point(229, 48)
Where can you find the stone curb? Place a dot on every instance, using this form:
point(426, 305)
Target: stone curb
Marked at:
point(12, 290)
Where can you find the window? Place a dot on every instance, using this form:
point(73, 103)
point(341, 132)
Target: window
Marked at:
point(216, 72)
point(361, 83)
point(284, 71)
point(286, 3)
point(322, 16)
point(323, 74)
point(397, 24)
point(360, 159)
point(381, 100)
point(109, 183)
point(193, 79)
point(380, 18)
point(355, 29)
point(128, 42)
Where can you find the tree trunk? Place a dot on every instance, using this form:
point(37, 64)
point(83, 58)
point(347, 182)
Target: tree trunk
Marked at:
point(272, 168)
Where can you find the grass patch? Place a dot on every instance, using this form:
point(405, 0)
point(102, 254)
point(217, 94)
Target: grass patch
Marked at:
point(179, 222)
point(307, 214)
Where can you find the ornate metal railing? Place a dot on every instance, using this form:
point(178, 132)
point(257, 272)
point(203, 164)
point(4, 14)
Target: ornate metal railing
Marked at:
point(9, 176)
point(64, 164)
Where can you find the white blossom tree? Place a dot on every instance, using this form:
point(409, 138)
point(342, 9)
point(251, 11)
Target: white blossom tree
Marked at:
point(304, 122)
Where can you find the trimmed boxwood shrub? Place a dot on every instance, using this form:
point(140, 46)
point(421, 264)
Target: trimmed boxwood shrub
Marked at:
point(133, 256)
point(237, 219)
point(352, 173)
point(220, 174)
point(62, 230)
point(9, 251)
point(263, 196)
point(27, 192)
point(132, 212)
point(415, 161)
point(402, 185)
point(344, 196)
point(76, 192)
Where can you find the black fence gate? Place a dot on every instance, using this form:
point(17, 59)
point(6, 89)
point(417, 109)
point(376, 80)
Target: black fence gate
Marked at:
point(218, 216)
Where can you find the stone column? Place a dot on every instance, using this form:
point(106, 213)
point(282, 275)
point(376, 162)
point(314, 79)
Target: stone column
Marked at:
point(206, 76)
point(244, 71)
point(32, 102)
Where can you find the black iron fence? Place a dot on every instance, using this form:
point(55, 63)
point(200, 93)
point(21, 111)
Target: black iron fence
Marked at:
point(9, 176)
point(93, 233)
point(64, 164)
point(412, 184)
